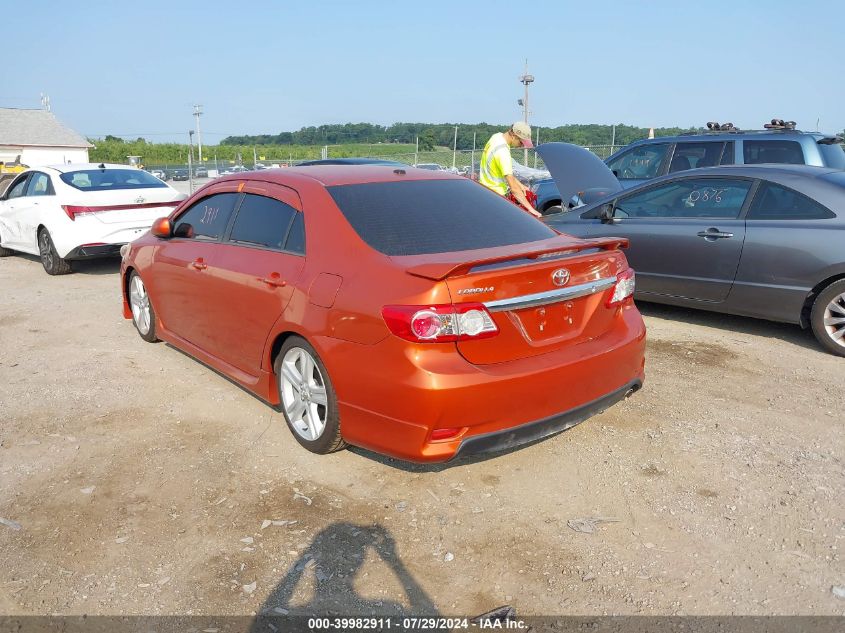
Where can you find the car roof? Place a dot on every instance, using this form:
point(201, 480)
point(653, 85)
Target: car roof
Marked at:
point(726, 135)
point(761, 170)
point(334, 175)
point(71, 167)
point(348, 161)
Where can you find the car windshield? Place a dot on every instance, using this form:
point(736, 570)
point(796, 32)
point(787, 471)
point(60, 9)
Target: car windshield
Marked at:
point(434, 216)
point(110, 179)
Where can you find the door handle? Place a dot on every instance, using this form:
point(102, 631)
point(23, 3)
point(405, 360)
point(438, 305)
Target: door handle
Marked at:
point(274, 280)
point(199, 264)
point(713, 233)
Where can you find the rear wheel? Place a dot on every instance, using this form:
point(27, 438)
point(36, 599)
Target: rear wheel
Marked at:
point(828, 318)
point(143, 315)
point(53, 264)
point(308, 399)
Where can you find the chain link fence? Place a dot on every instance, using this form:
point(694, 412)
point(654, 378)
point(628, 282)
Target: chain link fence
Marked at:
point(463, 161)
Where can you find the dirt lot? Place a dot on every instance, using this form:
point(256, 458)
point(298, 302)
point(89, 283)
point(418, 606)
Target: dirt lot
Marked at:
point(145, 483)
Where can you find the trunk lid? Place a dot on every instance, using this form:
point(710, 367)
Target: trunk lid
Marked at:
point(136, 206)
point(541, 298)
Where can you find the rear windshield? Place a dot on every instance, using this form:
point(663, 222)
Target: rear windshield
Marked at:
point(419, 217)
point(833, 155)
point(109, 179)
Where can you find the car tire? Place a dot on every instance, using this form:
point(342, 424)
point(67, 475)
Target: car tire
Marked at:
point(143, 314)
point(828, 318)
point(308, 402)
point(5, 252)
point(53, 264)
point(555, 208)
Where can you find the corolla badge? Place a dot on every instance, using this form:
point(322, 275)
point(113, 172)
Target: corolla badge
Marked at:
point(140, 200)
point(560, 277)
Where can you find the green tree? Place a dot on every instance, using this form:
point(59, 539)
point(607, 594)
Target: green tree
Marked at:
point(427, 141)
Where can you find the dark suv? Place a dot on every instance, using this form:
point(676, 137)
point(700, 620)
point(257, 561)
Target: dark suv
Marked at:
point(725, 145)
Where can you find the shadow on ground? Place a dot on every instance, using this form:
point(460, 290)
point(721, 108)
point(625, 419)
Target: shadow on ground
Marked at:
point(328, 572)
point(787, 332)
point(99, 266)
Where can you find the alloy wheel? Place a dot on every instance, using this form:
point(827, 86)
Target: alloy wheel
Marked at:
point(303, 391)
point(45, 249)
point(834, 319)
point(140, 304)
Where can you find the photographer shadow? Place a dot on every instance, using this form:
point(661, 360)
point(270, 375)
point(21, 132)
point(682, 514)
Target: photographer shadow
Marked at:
point(334, 562)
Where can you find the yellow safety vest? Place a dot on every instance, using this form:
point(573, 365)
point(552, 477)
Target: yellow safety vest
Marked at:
point(496, 163)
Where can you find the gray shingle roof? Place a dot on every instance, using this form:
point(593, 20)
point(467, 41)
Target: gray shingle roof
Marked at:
point(36, 127)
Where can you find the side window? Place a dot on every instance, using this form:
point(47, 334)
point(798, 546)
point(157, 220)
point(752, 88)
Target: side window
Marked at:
point(39, 185)
point(262, 221)
point(639, 163)
point(296, 236)
point(728, 154)
point(773, 202)
point(18, 189)
point(692, 198)
point(692, 155)
point(754, 152)
point(206, 219)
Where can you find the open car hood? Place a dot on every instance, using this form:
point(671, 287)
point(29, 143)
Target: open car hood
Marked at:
point(575, 169)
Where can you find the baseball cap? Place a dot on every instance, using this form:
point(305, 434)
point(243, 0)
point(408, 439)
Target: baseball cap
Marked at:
point(523, 131)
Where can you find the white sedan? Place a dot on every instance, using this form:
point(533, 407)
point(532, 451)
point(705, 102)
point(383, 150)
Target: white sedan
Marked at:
point(68, 212)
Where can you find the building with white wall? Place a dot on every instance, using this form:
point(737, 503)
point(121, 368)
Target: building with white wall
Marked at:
point(39, 138)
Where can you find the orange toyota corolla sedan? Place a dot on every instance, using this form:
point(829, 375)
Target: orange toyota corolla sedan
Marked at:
point(410, 312)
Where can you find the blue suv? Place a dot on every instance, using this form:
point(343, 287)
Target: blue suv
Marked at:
point(722, 145)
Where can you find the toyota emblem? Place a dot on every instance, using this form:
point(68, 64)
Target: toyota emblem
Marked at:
point(560, 277)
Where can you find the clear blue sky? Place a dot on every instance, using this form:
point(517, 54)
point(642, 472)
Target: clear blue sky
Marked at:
point(135, 68)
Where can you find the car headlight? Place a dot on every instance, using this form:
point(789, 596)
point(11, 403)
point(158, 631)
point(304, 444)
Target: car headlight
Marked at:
point(124, 251)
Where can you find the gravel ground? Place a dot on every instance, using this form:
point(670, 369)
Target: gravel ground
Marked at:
point(135, 480)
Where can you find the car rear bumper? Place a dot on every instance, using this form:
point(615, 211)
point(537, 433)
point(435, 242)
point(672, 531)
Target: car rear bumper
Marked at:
point(95, 250)
point(394, 394)
point(526, 433)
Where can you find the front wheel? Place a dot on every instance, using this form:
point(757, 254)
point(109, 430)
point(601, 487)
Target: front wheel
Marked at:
point(5, 252)
point(143, 315)
point(308, 399)
point(828, 318)
point(53, 264)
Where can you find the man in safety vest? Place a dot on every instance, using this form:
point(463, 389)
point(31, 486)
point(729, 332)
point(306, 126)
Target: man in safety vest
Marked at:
point(497, 166)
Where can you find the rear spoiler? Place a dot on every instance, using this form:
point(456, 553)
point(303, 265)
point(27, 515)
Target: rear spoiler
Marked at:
point(830, 140)
point(441, 270)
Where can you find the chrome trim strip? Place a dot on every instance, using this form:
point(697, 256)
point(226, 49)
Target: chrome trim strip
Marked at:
point(552, 296)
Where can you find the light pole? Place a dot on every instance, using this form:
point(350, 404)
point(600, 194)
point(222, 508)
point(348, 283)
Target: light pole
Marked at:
point(191, 160)
point(525, 80)
point(197, 114)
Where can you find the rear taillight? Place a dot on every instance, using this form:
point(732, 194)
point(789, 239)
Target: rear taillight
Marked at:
point(624, 288)
point(73, 210)
point(440, 323)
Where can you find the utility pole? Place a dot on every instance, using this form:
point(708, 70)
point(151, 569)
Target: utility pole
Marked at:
point(417, 152)
point(472, 163)
point(190, 160)
point(197, 114)
point(525, 80)
point(455, 147)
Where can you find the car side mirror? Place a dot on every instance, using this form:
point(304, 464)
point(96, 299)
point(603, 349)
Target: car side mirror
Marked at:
point(606, 213)
point(162, 228)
